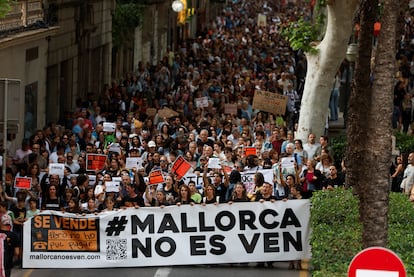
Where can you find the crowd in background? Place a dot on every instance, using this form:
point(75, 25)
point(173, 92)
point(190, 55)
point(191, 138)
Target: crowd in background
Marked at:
point(230, 59)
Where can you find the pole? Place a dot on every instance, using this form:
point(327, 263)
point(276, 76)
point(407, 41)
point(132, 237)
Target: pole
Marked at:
point(6, 84)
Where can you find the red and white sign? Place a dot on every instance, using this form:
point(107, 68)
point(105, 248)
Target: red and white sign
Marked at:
point(376, 262)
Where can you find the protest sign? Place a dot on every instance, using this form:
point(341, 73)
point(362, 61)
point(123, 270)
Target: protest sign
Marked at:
point(57, 169)
point(173, 235)
point(109, 127)
point(23, 182)
point(180, 167)
point(270, 102)
point(155, 177)
point(112, 186)
point(95, 162)
point(133, 162)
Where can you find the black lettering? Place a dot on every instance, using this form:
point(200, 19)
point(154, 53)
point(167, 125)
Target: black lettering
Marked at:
point(184, 227)
point(148, 222)
point(247, 218)
point(161, 252)
point(232, 220)
point(168, 224)
point(146, 250)
point(270, 240)
point(246, 178)
point(289, 218)
point(262, 219)
point(215, 241)
point(197, 246)
point(296, 243)
point(249, 247)
point(202, 220)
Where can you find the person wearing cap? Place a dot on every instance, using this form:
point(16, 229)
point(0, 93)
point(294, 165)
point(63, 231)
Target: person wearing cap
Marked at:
point(9, 245)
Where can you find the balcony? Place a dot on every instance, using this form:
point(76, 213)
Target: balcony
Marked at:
point(23, 14)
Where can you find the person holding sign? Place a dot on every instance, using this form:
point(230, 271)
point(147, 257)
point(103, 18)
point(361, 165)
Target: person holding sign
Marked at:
point(219, 185)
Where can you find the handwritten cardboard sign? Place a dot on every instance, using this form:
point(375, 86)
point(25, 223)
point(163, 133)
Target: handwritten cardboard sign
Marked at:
point(270, 102)
point(167, 113)
point(230, 108)
point(95, 162)
point(201, 102)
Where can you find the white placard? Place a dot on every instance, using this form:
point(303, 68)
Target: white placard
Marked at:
point(214, 163)
point(376, 273)
point(133, 162)
point(57, 169)
point(112, 186)
point(202, 102)
point(109, 127)
point(114, 147)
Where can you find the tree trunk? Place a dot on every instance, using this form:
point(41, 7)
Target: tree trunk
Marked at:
point(322, 67)
point(369, 129)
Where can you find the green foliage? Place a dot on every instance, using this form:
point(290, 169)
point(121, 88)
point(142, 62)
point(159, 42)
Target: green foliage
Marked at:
point(5, 7)
point(127, 16)
point(404, 142)
point(401, 230)
point(336, 231)
point(303, 34)
point(338, 145)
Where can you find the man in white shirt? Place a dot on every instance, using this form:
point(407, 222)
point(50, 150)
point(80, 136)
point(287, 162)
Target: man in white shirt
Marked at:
point(408, 179)
point(312, 147)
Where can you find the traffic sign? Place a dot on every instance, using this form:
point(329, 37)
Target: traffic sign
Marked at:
point(376, 262)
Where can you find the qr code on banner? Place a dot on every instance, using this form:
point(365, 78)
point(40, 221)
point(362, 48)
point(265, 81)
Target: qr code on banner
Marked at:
point(116, 249)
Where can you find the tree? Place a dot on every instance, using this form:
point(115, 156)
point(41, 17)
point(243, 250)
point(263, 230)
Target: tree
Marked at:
point(323, 64)
point(369, 121)
point(5, 6)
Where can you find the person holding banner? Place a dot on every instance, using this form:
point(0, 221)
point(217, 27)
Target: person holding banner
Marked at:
point(132, 199)
point(219, 186)
point(170, 188)
point(195, 195)
point(52, 200)
point(184, 196)
point(209, 195)
point(239, 194)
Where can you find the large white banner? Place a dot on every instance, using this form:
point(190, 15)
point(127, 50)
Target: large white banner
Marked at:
point(174, 235)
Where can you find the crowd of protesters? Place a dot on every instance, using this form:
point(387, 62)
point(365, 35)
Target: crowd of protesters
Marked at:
point(230, 59)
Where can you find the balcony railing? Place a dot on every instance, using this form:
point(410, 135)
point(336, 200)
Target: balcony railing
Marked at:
point(22, 14)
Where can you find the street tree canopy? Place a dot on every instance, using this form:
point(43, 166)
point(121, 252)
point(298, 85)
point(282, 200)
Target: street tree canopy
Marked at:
point(324, 58)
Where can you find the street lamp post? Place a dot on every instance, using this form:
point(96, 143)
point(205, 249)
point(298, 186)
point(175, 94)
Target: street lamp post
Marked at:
point(177, 6)
point(350, 56)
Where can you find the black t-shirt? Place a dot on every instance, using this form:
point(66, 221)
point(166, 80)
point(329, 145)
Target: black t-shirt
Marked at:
point(221, 191)
point(18, 213)
point(129, 201)
point(259, 196)
point(52, 204)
